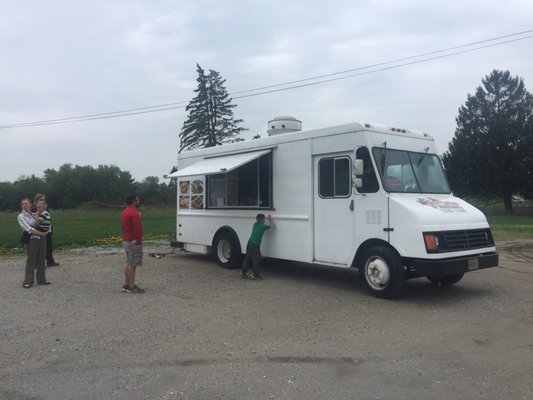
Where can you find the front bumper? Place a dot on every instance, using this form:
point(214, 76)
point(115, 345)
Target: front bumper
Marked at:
point(451, 266)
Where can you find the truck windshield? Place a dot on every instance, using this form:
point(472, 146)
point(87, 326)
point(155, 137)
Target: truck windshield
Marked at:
point(409, 172)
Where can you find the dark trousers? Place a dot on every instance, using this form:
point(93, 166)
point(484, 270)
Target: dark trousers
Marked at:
point(36, 251)
point(253, 256)
point(49, 249)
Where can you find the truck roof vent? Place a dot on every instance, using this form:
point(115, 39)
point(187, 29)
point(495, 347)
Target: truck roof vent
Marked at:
point(280, 125)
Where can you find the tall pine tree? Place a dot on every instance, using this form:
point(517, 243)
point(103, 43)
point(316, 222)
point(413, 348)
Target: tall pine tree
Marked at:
point(210, 121)
point(491, 154)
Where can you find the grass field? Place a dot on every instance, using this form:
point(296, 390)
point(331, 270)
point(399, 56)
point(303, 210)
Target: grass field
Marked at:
point(511, 227)
point(75, 228)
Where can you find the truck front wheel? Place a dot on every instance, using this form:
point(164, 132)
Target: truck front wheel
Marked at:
point(227, 250)
point(382, 272)
point(447, 280)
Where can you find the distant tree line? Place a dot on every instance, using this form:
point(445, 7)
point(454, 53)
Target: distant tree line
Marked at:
point(75, 186)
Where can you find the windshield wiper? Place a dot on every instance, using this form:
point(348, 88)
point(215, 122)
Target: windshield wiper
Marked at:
point(422, 157)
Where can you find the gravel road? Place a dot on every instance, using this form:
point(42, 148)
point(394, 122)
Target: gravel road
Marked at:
point(304, 332)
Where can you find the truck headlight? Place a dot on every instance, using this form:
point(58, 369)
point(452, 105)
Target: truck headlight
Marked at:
point(432, 242)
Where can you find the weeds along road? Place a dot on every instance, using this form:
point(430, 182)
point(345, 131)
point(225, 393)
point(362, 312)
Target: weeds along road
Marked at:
point(304, 332)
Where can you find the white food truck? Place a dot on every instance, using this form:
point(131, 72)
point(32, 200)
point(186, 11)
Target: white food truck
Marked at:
point(359, 195)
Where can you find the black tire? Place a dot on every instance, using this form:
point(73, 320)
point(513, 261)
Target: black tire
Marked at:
point(382, 272)
point(447, 280)
point(227, 250)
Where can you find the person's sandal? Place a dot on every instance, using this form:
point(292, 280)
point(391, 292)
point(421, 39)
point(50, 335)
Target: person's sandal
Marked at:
point(26, 285)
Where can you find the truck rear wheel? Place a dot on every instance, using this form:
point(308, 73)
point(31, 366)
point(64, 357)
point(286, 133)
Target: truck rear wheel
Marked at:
point(227, 250)
point(382, 272)
point(447, 280)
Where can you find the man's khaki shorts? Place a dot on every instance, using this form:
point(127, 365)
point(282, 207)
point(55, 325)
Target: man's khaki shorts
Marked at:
point(134, 256)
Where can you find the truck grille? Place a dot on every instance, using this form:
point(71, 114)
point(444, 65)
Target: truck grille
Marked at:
point(468, 239)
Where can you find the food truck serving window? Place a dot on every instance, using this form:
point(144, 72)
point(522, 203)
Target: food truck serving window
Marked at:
point(334, 177)
point(247, 186)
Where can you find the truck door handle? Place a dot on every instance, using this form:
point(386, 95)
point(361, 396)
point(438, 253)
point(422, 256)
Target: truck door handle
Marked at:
point(351, 205)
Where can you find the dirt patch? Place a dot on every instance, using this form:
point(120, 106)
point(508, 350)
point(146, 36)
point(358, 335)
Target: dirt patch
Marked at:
point(520, 251)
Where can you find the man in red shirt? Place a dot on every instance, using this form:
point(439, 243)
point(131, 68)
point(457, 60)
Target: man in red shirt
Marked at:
point(132, 232)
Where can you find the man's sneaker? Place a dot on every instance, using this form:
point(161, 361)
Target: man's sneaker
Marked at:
point(134, 289)
point(243, 275)
point(255, 276)
point(53, 264)
point(124, 288)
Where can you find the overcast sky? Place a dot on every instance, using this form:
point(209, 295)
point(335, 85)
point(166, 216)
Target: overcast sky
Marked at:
point(62, 59)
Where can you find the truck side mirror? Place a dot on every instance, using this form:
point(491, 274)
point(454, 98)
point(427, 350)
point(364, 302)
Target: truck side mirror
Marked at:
point(358, 167)
point(358, 183)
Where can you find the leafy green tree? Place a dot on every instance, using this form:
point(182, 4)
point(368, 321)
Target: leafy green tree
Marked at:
point(210, 121)
point(155, 193)
point(70, 186)
point(27, 187)
point(491, 152)
point(113, 184)
point(149, 190)
point(7, 196)
point(64, 188)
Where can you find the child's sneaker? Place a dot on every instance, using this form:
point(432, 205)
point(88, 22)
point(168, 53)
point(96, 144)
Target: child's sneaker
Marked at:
point(243, 275)
point(135, 289)
point(124, 288)
point(255, 276)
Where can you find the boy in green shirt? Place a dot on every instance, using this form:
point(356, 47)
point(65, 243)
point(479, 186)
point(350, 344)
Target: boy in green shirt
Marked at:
point(253, 249)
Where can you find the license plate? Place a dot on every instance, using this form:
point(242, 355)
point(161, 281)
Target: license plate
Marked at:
point(473, 264)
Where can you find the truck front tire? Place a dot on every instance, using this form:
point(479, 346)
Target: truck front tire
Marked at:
point(227, 250)
point(382, 272)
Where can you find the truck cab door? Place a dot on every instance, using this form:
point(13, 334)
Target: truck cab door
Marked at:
point(371, 210)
